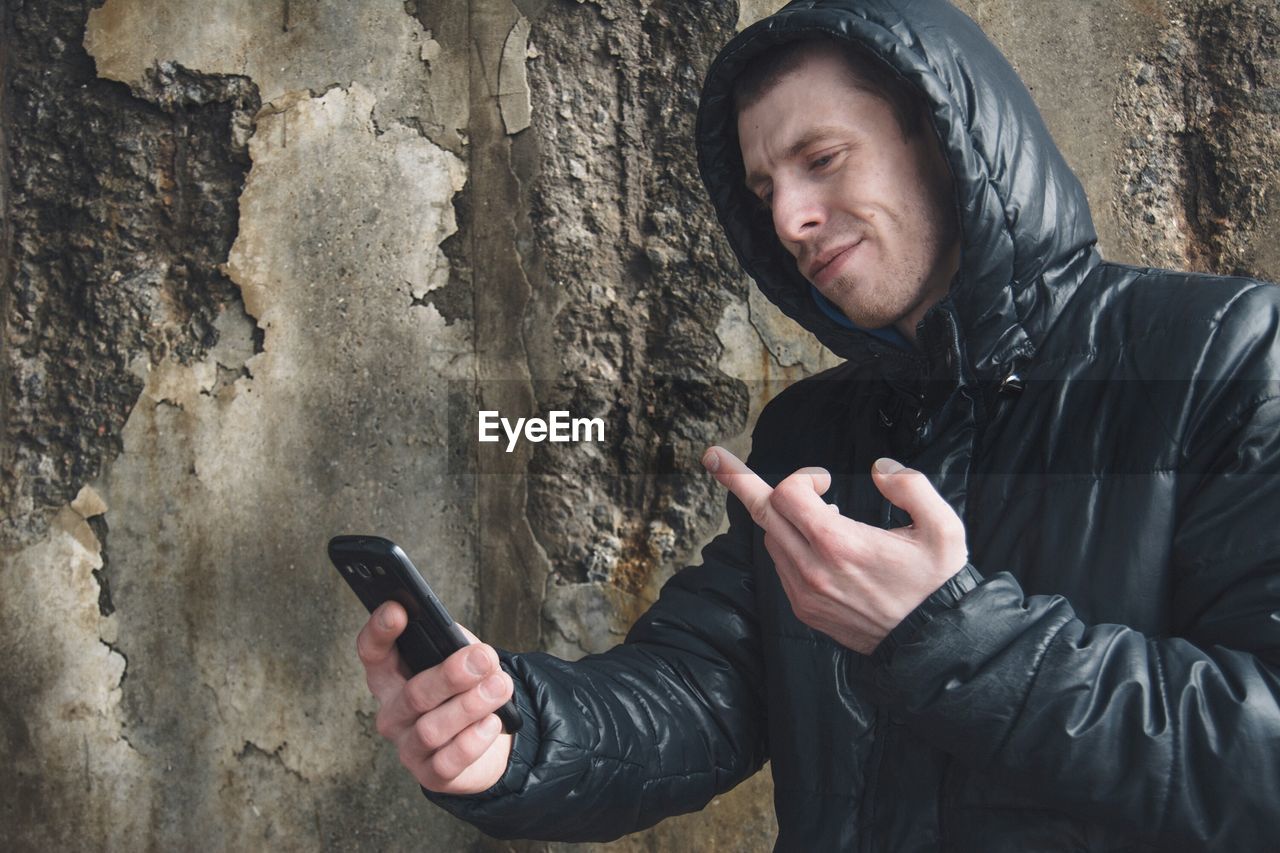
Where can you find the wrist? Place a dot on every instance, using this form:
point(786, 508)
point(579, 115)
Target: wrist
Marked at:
point(942, 599)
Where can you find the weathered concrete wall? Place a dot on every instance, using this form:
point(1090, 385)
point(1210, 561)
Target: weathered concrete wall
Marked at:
point(264, 261)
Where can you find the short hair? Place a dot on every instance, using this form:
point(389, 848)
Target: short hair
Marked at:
point(866, 71)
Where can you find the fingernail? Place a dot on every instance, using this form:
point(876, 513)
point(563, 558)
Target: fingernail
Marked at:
point(711, 461)
point(489, 725)
point(887, 466)
point(477, 661)
point(491, 687)
point(384, 618)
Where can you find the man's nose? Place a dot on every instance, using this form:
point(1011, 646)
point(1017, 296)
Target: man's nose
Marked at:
point(797, 215)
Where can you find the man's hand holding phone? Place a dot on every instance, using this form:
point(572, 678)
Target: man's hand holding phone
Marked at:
point(442, 719)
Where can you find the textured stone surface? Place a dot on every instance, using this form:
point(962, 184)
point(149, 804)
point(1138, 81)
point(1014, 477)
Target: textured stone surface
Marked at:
point(120, 211)
point(1073, 65)
point(634, 276)
point(440, 207)
point(1200, 106)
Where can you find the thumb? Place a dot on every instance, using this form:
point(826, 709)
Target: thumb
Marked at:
point(820, 477)
point(911, 490)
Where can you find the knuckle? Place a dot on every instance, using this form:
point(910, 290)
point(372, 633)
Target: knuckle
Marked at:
point(444, 765)
point(418, 695)
point(828, 546)
point(818, 586)
point(473, 703)
point(949, 533)
point(429, 735)
point(760, 509)
point(476, 739)
point(784, 493)
point(804, 609)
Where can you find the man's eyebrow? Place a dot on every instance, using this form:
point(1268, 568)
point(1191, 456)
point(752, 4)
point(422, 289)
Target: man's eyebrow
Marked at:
point(809, 137)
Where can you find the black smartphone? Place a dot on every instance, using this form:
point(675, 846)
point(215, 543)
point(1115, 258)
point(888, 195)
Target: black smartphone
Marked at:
point(378, 571)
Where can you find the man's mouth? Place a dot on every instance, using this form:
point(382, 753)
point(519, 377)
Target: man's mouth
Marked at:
point(828, 264)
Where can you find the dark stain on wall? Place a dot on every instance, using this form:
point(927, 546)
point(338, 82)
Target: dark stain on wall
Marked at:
point(121, 206)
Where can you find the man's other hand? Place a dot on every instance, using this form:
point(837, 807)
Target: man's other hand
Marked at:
point(852, 581)
point(441, 720)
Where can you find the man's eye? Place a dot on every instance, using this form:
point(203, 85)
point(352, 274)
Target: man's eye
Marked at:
point(822, 161)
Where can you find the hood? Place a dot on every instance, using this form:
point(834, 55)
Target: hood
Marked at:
point(1027, 236)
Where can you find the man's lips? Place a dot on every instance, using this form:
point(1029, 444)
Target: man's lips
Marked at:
point(829, 261)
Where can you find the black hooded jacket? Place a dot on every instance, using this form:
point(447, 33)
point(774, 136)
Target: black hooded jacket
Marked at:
point(1105, 675)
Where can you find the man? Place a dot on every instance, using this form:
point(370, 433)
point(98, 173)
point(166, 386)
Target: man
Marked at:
point(1058, 629)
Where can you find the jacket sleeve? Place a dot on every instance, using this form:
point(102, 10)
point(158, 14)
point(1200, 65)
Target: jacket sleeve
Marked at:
point(657, 726)
point(1175, 736)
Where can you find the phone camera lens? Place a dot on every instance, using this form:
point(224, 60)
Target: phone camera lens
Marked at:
point(363, 570)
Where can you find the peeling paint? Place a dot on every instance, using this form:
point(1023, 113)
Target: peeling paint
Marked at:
point(127, 205)
point(750, 11)
point(88, 503)
point(766, 350)
point(220, 502)
point(373, 42)
point(61, 724)
point(513, 84)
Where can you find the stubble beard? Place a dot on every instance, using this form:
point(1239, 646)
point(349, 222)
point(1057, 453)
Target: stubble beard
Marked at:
point(874, 299)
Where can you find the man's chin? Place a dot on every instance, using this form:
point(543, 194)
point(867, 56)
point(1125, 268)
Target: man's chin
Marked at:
point(863, 318)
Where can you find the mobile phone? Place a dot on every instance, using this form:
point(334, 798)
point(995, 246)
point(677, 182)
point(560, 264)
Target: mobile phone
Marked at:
point(377, 570)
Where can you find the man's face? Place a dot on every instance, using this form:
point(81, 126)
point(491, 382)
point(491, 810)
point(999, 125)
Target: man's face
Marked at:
point(867, 213)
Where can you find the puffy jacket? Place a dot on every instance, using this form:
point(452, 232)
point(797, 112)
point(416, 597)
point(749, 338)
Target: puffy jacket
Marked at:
point(1105, 674)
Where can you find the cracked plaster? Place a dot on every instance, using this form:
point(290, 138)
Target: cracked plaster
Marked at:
point(766, 350)
point(230, 497)
point(236, 468)
point(513, 82)
point(750, 11)
point(61, 723)
point(286, 46)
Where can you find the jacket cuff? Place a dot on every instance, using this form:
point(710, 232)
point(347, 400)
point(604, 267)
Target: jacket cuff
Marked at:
point(941, 600)
point(524, 751)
